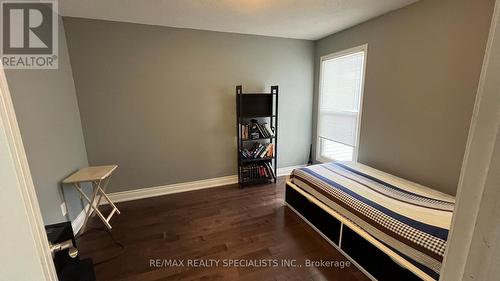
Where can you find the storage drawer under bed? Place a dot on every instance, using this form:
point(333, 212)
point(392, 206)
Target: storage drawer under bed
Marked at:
point(373, 260)
point(322, 220)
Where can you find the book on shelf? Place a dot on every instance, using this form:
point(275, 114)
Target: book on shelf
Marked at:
point(243, 128)
point(268, 129)
point(268, 152)
point(258, 150)
point(257, 171)
point(257, 128)
point(270, 169)
point(254, 130)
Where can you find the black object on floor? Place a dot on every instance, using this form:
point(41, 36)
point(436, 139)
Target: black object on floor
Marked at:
point(82, 270)
point(67, 268)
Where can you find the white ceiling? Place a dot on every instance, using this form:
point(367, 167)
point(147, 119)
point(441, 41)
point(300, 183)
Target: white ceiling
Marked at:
point(303, 19)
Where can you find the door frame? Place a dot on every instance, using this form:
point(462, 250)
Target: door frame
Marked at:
point(25, 182)
point(482, 144)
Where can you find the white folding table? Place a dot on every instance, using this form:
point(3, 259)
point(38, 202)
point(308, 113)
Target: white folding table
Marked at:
point(99, 177)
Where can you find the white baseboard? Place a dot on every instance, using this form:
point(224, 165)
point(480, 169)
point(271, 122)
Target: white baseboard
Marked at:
point(77, 223)
point(285, 171)
point(147, 192)
point(141, 193)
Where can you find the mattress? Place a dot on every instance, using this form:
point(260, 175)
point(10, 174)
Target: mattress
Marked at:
point(410, 219)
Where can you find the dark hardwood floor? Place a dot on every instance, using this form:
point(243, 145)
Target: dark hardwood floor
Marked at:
point(223, 223)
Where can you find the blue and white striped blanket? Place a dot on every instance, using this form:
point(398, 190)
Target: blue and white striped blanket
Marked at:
point(411, 219)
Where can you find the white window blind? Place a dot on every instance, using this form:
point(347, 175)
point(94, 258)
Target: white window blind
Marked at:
point(339, 104)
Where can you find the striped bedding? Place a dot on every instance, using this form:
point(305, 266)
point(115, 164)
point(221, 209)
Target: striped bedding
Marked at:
point(411, 219)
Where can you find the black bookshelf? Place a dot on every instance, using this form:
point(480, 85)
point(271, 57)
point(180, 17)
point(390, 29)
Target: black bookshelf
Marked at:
point(263, 108)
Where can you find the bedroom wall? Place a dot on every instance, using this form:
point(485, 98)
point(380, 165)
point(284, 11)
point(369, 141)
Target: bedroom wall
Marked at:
point(160, 101)
point(423, 67)
point(47, 112)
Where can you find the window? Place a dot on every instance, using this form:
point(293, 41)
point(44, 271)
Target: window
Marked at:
point(339, 104)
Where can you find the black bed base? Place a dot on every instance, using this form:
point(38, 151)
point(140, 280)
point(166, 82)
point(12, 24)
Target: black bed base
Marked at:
point(365, 254)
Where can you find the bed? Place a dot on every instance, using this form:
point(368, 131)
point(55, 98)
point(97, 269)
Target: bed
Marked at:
point(393, 229)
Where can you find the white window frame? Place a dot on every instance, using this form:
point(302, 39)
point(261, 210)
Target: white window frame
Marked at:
point(362, 48)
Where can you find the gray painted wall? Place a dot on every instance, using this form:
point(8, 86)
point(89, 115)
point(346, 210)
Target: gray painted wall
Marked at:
point(160, 101)
point(49, 120)
point(422, 73)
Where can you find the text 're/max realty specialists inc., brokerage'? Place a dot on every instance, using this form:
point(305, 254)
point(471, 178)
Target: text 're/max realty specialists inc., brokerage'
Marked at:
point(243, 263)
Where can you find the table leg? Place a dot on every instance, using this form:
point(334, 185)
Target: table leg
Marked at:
point(91, 206)
point(111, 202)
point(103, 190)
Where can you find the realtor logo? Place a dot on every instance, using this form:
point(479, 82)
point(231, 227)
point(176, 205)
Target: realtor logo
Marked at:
point(29, 34)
